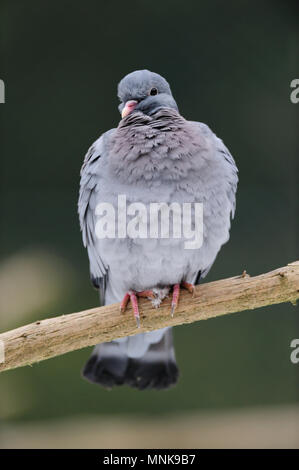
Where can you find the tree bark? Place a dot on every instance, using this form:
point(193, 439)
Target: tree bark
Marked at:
point(55, 336)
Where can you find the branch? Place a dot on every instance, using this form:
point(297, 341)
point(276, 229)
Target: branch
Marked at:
point(55, 336)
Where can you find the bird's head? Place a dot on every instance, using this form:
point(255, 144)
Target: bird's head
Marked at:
point(144, 91)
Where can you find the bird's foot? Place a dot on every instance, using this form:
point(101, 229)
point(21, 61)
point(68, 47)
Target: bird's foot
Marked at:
point(190, 287)
point(132, 296)
point(176, 294)
point(156, 296)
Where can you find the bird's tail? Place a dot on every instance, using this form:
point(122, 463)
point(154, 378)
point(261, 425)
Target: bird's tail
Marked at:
point(144, 361)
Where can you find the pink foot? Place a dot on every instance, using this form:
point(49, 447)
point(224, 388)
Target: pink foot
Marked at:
point(175, 298)
point(176, 294)
point(132, 296)
point(190, 287)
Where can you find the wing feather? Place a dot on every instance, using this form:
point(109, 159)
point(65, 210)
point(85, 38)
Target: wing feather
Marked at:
point(89, 187)
point(230, 172)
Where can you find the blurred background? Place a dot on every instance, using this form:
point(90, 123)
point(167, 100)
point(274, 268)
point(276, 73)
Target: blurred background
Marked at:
point(230, 65)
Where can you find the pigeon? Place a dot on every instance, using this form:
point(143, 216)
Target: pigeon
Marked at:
point(153, 158)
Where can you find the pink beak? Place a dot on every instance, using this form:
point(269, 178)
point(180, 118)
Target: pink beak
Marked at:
point(129, 107)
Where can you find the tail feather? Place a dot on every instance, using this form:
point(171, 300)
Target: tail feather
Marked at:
point(146, 376)
point(106, 366)
point(111, 366)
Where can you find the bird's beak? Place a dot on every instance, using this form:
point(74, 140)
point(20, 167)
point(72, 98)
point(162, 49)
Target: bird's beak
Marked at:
point(129, 107)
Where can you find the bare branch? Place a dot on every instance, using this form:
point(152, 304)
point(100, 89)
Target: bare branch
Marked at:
point(55, 336)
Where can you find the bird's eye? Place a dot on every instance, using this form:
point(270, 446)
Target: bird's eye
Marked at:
point(154, 91)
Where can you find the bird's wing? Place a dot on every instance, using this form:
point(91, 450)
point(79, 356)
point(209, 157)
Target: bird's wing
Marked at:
point(89, 187)
point(230, 172)
point(229, 162)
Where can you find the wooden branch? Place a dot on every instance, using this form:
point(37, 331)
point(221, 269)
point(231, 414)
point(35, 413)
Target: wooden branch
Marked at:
point(55, 336)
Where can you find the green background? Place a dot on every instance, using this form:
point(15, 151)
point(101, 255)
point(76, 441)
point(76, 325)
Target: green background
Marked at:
point(230, 65)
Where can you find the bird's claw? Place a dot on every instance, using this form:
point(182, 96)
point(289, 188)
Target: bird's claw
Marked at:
point(190, 287)
point(176, 294)
point(173, 307)
point(132, 296)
